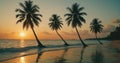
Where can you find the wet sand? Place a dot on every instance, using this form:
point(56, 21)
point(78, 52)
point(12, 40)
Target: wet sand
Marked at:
point(93, 54)
point(115, 45)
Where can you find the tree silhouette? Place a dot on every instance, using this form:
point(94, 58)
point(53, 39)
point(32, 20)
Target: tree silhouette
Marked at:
point(115, 35)
point(28, 15)
point(75, 18)
point(56, 24)
point(96, 27)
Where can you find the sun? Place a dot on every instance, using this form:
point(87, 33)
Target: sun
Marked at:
point(22, 34)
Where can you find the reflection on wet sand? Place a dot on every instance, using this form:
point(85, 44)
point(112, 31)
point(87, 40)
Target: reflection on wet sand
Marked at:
point(62, 59)
point(66, 55)
point(61, 56)
point(91, 54)
point(39, 55)
point(51, 56)
point(97, 56)
point(22, 59)
point(82, 54)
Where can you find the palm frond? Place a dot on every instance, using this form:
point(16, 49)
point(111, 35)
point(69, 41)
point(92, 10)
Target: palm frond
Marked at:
point(96, 26)
point(22, 5)
point(68, 14)
point(55, 22)
point(35, 7)
point(20, 11)
point(82, 19)
point(28, 15)
point(75, 16)
point(82, 13)
point(70, 9)
point(20, 20)
point(81, 8)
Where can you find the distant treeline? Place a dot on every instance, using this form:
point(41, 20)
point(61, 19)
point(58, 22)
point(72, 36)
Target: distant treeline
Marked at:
point(104, 38)
point(115, 35)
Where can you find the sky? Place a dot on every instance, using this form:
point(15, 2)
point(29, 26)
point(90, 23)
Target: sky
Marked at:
point(108, 11)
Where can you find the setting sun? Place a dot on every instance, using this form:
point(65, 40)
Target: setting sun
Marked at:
point(22, 34)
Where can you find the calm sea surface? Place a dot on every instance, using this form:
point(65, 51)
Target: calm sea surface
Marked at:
point(27, 43)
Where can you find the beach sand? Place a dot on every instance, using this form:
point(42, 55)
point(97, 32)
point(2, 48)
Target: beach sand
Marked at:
point(115, 45)
point(107, 53)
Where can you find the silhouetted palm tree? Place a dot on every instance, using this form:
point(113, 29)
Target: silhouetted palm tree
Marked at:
point(75, 18)
point(28, 15)
point(56, 24)
point(96, 27)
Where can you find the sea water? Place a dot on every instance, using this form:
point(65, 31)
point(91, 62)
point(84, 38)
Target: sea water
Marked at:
point(9, 43)
point(16, 48)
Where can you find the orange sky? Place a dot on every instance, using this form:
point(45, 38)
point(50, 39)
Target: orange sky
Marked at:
point(107, 12)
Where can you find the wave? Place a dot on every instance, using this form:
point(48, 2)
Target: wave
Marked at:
point(17, 49)
point(12, 53)
point(2, 50)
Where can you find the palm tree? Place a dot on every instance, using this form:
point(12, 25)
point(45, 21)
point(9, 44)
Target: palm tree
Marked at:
point(75, 18)
point(96, 27)
point(56, 24)
point(28, 15)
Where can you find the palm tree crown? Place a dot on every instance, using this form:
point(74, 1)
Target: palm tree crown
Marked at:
point(75, 17)
point(28, 14)
point(96, 26)
point(56, 22)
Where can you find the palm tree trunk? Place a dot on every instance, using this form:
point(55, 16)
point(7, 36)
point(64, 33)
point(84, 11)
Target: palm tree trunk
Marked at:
point(62, 38)
point(39, 43)
point(85, 45)
point(97, 39)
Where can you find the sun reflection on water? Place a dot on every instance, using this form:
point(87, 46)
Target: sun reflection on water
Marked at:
point(22, 43)
point(22, 60)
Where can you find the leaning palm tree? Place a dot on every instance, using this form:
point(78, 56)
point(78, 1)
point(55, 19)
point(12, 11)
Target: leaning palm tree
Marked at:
point(29, 16)
point(75, 18)
point(96, 27)
point(56, 24)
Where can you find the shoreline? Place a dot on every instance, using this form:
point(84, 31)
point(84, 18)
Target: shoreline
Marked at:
point(37, 50)
point(88, 53)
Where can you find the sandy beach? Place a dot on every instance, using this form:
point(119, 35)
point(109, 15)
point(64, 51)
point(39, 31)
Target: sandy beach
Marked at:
point(115, 45)
point(107, 53)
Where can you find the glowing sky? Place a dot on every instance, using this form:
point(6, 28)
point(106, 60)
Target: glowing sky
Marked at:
point(105, 10)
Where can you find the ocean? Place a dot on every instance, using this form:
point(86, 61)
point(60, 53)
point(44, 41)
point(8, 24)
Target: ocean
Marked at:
point(16, 48)
point(27, 43)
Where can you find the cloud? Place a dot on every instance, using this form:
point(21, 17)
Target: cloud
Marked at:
point(87, 34)
point(108, 28)
point(116, 21)
point(84, 32)
point(47, 33)
point(9, 35)
point(73, 34)
point(69, 33)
